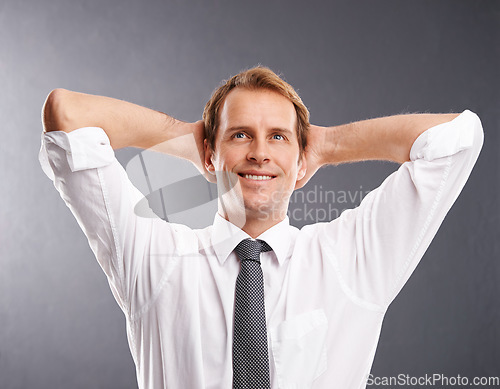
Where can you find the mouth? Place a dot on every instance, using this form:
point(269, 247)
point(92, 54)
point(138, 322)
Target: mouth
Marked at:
point(257, 177)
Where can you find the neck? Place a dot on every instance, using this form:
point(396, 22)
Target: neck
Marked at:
point(253, 226)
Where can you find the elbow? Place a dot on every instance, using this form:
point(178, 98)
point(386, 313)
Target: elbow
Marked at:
point(55, 111)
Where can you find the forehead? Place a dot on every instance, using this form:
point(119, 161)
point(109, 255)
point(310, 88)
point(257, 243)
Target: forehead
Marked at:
point(261, 107)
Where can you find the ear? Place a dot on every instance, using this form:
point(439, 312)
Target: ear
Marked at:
point(209, 166)
point(302, 167)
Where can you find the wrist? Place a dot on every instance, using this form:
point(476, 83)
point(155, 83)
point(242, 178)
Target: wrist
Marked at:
point(181, 139)
point(330, 152)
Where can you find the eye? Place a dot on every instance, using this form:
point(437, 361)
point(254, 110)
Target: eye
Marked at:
point(278, 137)
point(239, 135)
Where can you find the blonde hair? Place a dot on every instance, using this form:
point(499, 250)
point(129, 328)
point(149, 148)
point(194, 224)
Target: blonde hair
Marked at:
point(259, 77)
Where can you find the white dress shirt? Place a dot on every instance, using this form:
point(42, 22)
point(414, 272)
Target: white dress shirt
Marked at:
point(327, 285)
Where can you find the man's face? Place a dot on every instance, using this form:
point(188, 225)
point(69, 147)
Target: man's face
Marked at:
point(256, 154)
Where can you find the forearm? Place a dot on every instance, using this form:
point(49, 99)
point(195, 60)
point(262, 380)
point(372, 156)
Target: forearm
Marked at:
point(126, 124)
point(388, 138)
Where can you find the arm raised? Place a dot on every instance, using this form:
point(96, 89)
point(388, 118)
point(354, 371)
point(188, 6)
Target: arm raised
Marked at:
point(126, 124)
point(388, 138)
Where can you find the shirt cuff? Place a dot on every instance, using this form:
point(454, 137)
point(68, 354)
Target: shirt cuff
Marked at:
point(446, 139)
point(85, 148)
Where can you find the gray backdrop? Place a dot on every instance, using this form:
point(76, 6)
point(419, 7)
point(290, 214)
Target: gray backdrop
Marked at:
point(59, 324)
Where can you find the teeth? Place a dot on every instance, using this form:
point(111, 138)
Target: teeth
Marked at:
point(253, 177)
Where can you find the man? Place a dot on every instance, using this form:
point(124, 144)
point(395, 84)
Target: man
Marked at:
point(323, 291)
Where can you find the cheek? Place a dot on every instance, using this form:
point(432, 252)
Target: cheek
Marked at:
point(224, 160)
point(291, 165)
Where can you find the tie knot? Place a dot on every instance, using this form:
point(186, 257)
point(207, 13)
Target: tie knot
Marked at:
point(249, 249)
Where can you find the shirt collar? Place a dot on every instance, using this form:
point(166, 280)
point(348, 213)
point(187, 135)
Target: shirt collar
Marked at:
point(225, 237)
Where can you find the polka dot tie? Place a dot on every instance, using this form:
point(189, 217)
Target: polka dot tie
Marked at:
point(250, 355)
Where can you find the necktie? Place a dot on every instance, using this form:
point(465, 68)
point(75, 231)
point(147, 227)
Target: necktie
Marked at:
point(250, 356)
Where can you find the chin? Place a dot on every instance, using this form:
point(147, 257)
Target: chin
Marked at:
point(263, 211)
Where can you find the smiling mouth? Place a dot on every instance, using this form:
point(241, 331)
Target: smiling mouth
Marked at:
point(256, 177)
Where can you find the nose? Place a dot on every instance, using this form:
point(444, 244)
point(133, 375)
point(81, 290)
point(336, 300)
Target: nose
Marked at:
point(259, 151)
